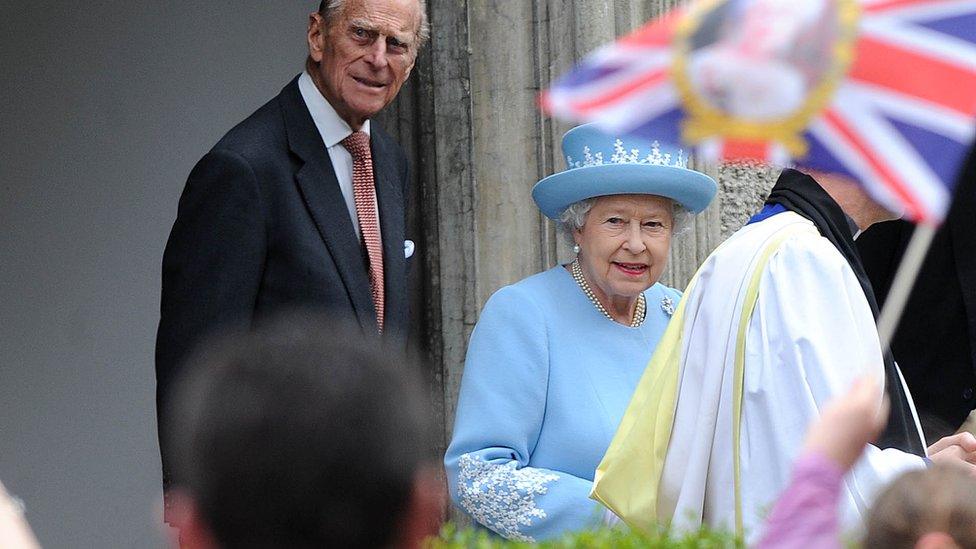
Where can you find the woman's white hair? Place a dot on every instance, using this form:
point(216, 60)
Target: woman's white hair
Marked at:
point(574, 217)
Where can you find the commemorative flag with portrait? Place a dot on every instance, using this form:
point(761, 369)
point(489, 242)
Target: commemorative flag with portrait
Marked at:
point(882, 91)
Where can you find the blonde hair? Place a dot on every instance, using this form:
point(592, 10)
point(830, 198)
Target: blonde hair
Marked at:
point(938, 499)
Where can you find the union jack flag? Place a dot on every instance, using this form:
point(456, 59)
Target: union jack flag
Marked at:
point(882, 91)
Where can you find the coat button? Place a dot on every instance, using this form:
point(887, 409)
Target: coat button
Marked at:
point(967, 394)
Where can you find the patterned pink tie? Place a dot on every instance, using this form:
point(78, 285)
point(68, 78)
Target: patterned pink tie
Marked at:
point(364, 192)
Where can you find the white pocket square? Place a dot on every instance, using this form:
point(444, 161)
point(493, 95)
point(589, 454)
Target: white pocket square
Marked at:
point(408, 248)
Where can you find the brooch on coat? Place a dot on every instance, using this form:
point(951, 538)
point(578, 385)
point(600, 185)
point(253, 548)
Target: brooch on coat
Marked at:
point(667, 305)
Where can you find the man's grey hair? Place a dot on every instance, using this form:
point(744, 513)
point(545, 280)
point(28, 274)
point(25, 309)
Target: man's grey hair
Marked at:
point(574, 217)
point(330, 10)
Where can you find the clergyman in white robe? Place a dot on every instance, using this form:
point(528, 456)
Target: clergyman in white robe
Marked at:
point(810, 335)
point(809, 332)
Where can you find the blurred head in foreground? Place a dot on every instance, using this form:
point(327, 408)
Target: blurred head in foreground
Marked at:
point(299, 434)
point(926, 509)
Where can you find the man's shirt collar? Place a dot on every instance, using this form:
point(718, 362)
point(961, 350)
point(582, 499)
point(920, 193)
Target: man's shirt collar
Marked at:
point(855, 230)
point(331, 126)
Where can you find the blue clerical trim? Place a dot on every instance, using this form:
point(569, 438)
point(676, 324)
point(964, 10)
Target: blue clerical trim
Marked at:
point(769, 210)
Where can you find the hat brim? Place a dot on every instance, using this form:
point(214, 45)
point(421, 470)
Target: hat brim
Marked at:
point(693, 190)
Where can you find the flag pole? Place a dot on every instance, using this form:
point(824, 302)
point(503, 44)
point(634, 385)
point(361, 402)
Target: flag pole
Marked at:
point(905, 278)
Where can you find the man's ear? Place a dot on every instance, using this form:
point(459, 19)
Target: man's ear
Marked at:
point(936, 540)
point(406, 74)
point(424, 513)
point(194, 533)
point(316, 36)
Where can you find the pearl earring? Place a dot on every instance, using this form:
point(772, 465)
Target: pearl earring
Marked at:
point(576, 249)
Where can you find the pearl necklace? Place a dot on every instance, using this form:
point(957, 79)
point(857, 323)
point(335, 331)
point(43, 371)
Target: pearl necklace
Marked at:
point(639, 313)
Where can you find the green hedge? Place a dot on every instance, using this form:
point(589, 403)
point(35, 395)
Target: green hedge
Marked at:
point(468, 538)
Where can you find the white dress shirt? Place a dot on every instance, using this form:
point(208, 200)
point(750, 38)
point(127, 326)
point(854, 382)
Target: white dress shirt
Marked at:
point(333, 130)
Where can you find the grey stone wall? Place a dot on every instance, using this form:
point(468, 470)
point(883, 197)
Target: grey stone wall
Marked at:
point(742, 190)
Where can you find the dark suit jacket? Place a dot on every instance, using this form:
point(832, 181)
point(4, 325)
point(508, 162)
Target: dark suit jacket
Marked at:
point(262, 226)
point(935, 343)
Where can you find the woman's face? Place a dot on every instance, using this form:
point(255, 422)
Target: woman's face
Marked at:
point(624, 244)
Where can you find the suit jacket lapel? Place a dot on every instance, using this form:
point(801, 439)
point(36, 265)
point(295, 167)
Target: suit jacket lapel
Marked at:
point(389, 196)
point(319, 187)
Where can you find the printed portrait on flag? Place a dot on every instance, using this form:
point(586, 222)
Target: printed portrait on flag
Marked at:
point(761, 58)
point(757, 70)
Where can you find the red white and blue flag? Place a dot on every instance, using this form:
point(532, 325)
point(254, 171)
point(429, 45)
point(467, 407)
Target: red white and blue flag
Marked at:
point(882, 91)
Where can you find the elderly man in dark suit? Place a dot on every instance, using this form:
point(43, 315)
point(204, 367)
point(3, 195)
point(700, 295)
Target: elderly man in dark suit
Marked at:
point(301, 205)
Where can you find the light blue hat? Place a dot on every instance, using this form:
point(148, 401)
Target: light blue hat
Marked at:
point(598, 165)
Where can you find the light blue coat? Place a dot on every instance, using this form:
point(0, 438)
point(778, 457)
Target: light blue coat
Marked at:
point(546, 381)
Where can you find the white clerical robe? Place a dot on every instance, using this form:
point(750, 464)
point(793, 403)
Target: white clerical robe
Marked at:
point(810, 335)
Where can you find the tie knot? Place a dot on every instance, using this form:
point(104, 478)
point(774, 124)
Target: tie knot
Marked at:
point(357, 143)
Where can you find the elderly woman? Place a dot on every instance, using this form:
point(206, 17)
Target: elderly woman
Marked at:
point(554, 358)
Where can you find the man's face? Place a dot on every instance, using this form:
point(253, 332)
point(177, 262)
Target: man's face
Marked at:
point(362, 58)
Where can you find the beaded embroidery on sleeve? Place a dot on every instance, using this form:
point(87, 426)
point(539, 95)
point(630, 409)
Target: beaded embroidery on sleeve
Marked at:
point(501, 496)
